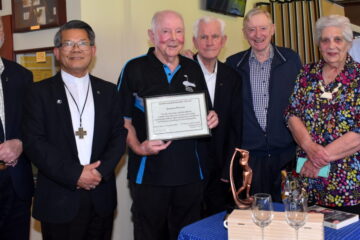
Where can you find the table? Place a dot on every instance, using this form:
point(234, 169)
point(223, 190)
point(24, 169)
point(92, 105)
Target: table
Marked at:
point(212, 228)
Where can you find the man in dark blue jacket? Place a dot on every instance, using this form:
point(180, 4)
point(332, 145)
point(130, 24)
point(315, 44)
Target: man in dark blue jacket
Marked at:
point(268, 73)
point(16, 182)
point(224, 86)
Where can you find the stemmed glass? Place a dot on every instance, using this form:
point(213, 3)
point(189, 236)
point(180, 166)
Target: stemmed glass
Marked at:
point(296, 212)
point(262, 211)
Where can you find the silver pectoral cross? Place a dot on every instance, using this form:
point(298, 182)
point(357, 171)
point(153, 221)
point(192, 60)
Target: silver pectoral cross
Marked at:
point(80, 132)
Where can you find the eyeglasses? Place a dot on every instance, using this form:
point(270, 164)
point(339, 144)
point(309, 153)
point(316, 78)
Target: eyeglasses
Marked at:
point(69, 45)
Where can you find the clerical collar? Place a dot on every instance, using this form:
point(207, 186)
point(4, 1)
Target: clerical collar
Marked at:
point(70, 79)
point(204, 69)
point(76, 87)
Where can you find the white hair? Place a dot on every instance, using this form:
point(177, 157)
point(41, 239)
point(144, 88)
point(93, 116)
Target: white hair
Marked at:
point(155, 18)
point(208, 19)
point(338, 21)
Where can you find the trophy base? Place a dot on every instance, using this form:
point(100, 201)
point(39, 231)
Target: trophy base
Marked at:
point(230, 209)
point(2, 167)
point(243, 206)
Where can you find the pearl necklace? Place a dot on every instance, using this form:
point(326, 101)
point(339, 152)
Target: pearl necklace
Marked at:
point(328, 95)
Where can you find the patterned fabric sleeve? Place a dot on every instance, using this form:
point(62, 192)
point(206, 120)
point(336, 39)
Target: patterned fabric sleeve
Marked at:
point(356, 127)
point(296, 99)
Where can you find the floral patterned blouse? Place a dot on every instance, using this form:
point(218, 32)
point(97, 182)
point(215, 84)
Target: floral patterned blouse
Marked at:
point(326, 120)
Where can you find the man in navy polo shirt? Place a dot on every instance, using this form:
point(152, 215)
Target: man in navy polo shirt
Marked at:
point(165, 177)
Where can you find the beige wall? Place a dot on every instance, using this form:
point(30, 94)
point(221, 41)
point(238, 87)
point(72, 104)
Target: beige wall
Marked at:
point(121, 29)
point(329, 8)
point(122, 26)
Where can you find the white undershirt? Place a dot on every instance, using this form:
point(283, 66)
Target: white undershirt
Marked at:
point(210, 79)
point(2, 104)
point(78, 88)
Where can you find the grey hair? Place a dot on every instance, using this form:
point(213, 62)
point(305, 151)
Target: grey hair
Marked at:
point(155, 18)
point(208, 19)
point(74, 24)
point(256, 11)
point(334, 21)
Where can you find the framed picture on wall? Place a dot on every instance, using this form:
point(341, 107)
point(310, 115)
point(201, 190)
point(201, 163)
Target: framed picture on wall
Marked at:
point(31, 15)
point(229, 7)
point(41, 62)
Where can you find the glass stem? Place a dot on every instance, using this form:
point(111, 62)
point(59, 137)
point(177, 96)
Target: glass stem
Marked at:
point(262, 233)
point(297, 233)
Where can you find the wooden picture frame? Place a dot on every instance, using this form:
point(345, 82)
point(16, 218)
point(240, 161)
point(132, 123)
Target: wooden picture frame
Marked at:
point(6, 50)
point(31, 15)
point(40, 61)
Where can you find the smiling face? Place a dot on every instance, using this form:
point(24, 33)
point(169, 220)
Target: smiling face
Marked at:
point(333, 46)
point(209, 40)
point(167, 36)
point(75, 61)
point(258, 31)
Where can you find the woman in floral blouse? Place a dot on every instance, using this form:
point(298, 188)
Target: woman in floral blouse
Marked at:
point(324, 118)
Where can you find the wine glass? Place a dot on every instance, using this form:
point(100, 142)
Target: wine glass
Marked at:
point(262, 211)
point(296, 212)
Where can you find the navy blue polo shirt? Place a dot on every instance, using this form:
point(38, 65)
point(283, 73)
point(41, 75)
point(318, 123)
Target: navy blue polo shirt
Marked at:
point(182, 162)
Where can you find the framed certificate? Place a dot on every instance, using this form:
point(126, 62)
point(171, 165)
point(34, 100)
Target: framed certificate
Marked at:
point(40, 61)
point(176, 116)
point(30, 15)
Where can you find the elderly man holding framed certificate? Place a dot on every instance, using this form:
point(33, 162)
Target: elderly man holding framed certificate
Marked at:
point(161, 93)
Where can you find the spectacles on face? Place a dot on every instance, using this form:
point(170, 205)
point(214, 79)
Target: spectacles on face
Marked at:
point(69, 45)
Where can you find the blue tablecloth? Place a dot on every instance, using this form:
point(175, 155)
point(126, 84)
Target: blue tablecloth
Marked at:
point(212, 228)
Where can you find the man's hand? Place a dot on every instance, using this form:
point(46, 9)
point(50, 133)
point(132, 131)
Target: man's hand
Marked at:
point(212, 119)
point(309, 170)
point(148, 147)
point(89, 177)
point(152, 147)
point(10, 151)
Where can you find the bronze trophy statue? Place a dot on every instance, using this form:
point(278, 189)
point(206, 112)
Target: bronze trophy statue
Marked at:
point(2, 165)
point(246, 179)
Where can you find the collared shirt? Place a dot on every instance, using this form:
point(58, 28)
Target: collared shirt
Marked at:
point(259, 80)
point(2, 104)
point(78, 88)
point(210, 78)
